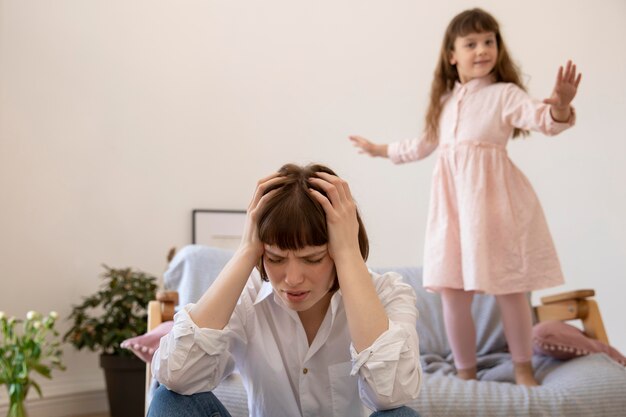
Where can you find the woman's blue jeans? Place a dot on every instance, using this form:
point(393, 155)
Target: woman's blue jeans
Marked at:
point(166, 403)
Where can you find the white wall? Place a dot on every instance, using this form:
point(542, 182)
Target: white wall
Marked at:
point(118, 117)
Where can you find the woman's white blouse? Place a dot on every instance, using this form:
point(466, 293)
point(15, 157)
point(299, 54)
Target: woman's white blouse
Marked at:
point(283, 375)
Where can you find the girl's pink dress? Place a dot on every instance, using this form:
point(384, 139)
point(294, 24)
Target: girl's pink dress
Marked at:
point(486, 230)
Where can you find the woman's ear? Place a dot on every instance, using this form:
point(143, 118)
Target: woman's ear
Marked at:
point(261, 267)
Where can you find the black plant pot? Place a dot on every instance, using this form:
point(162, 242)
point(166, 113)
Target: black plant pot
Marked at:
point(125, 380)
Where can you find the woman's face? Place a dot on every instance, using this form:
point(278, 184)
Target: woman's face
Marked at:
point(301, 278)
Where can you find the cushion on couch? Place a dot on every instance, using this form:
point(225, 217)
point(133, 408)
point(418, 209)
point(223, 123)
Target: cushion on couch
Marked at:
point(193, 270)
point(146, 344)
point(563, 341)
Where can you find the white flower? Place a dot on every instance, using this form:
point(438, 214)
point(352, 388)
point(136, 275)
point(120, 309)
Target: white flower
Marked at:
point(37, 324)
point(2, 315)
point(31, 315)
point(54, 315)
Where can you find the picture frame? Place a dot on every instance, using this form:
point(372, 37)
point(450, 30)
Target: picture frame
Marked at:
point(217, 228)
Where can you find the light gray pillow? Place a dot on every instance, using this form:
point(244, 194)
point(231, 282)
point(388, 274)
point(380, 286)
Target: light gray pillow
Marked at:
point(193, 270)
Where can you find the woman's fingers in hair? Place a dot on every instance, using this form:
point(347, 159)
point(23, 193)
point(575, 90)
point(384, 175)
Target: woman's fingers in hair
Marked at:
point(323, 200)
point(262, 186)
point(332, 185)
point(340, 209)
point(264, 198)
point(269, 177)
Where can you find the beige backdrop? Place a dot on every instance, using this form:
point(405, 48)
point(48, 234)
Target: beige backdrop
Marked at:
point(118, 117)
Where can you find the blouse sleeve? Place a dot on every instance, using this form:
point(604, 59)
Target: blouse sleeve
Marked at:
point(390, 374)
point(523, 112)
point(191, 359)
point(409, 150)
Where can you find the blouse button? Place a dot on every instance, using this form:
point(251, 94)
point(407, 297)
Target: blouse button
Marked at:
point(305, 371)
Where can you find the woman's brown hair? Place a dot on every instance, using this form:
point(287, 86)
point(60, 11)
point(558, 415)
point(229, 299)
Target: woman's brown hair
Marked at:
point(446, 75)
point(293, 219)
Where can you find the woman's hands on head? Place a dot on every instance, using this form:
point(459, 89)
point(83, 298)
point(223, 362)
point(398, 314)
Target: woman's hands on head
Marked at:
point(250, 242)
point(341, 214)
point(216, 306)
point(565, 89)
point(331, 192)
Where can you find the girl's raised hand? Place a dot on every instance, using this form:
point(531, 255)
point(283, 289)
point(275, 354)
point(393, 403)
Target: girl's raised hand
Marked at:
point(250, 237)
point(565, 87)
point(367, 147)
point(340, 209)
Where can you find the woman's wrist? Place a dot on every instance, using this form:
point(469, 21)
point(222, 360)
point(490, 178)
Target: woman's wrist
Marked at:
point(250, 254)
point(348, 256)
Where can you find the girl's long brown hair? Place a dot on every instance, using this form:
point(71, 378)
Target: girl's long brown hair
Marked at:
point(469, 21)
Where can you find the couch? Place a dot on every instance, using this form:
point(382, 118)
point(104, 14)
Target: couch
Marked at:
point(587, 385)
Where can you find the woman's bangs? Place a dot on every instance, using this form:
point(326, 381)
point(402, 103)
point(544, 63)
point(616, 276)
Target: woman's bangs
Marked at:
point(294, 226)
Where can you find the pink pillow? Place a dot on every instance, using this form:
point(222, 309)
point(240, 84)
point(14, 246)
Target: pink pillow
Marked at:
point(563, 341)
point(144, 346)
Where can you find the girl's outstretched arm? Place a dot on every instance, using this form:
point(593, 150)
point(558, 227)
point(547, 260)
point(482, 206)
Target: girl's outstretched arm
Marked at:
point(564, 92)
point(367, 147)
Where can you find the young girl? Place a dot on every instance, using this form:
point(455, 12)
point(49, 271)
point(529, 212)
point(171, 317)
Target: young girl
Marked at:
point(314, 334)
point(486, 231)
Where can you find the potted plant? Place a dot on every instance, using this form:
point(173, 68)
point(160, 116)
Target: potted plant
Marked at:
point(103, 321)
point(35, 348)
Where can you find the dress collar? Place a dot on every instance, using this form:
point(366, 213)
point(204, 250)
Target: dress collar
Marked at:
point(474, 85)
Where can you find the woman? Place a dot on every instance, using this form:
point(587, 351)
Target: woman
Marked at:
point(313, 333)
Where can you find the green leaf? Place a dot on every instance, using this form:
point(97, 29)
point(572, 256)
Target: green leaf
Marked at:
point(37, 388)
point(42, 370)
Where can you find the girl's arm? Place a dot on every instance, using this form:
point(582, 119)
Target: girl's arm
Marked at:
point(564, 92)
point(367, 318)
point(398, 152)
point(216, 306)
point(368, 147)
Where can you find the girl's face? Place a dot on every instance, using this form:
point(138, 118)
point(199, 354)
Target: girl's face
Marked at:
point(301, 278)
point(474, 55)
